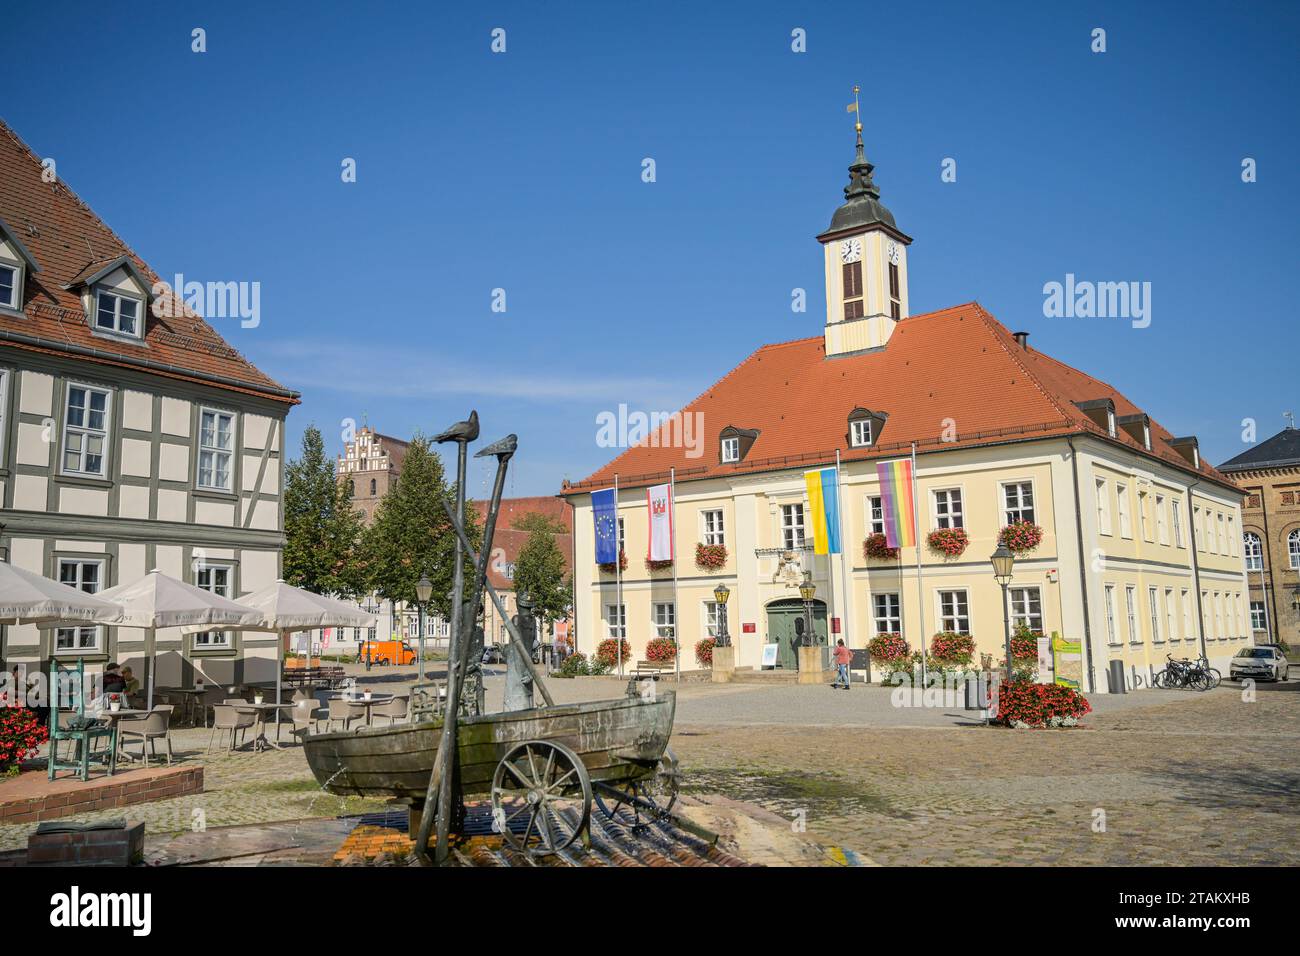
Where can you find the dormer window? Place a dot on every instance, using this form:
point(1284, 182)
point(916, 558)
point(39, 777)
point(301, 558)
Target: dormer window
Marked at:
point(16, 261)
point(117, 313)
point(734, 444)
point(1110, 424)
point(860, 433)
point(865, 427)
point(1138, 428)
point(9, 287)
point(730, 450)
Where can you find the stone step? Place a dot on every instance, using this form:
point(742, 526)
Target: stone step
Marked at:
point(747, 675)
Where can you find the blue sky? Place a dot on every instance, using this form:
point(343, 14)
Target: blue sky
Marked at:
point(522, 171)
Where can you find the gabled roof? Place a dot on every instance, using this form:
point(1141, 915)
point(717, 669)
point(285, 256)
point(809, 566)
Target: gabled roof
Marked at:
point(1280, 451)
point(74, 246)
point(956, 370)
point(11, 237)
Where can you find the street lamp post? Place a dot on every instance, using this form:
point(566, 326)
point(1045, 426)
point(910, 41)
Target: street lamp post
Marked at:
point(720, 594)
point(807, 591)
point(423, 591)
point(1003, 560)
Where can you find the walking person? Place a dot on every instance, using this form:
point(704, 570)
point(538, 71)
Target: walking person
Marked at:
point(842, 658)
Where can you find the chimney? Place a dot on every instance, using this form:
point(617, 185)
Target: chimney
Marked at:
point(1022, 339)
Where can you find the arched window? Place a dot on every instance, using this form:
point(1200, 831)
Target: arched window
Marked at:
point(1293, 548)
point(1254, 551)
point(372, 487)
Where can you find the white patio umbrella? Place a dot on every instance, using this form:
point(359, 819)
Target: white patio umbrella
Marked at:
point(286, 608)
point(28, 598)
point(158, 600)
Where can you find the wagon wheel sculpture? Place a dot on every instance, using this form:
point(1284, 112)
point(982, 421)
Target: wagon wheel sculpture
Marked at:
point(528, 786)
point(652, 796)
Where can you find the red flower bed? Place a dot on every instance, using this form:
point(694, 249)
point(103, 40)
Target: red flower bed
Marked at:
point(888, 647)
point(608, 567)
point(659, 650)
point(1021, 536)
point(1024, 648)
point(1036, 704)
point(877, 546)
point(950, 542)
point(710, 557)
point(21, 733)
point(948, 647)
point(704, 651)
point(606, 651)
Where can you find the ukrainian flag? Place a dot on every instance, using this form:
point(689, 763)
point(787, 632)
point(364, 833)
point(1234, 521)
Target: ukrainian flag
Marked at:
point(824, 504)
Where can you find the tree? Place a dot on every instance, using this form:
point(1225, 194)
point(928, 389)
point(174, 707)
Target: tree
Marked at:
point(535, 520)
point(539, 570)
point(322, 532)
point(412, 535)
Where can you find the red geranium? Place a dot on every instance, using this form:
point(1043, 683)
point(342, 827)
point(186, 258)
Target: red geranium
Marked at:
point(659, 650)
point(1036, 704)
point(888, 647)
point(608, 567)
point(1021, 536)
point(710, 557)
point(877, 546)
point(949, 647)
point(949, 541)
point(704, 651)
point(606, 650)
point(21, 734)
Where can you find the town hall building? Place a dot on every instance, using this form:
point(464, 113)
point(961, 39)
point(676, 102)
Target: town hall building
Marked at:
point(1140, 552)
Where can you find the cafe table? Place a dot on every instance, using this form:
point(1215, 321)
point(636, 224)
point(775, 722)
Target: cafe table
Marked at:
point(361, 702)
point(260, 740)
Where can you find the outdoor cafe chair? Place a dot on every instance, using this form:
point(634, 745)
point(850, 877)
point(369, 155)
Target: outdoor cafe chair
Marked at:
point(394, 710)
point(149, 728)
point(306, 716)
point(341, 711)
point(225, 719)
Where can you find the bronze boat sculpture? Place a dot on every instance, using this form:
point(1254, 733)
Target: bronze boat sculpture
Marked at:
point(542, 766)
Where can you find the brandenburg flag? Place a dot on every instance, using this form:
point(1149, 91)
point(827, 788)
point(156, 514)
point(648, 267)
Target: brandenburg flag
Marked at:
point(896, 502)
point(659, 502)
point(824, 504)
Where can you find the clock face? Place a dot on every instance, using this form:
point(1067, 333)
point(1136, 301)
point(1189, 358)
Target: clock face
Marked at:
point(891, 250)
point(850, 250)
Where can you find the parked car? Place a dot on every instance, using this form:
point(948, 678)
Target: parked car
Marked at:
point(1266, 660)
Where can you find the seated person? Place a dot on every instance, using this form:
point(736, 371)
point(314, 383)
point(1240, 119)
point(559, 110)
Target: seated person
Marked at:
point(113, 682)
point(132, 687)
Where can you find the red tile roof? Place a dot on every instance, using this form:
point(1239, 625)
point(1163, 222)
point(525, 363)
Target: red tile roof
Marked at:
point(71, 243)
point(957, 364)
point(512, 541)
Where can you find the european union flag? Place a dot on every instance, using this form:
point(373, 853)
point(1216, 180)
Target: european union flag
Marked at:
point(605, 511)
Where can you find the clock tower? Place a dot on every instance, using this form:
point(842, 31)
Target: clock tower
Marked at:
point(866, 266)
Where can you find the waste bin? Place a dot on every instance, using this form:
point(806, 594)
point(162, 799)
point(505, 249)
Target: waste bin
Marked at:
point(1117, 685)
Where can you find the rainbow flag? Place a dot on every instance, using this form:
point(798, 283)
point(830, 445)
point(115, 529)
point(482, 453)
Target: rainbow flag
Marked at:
point(896, 502)
point(824, 504)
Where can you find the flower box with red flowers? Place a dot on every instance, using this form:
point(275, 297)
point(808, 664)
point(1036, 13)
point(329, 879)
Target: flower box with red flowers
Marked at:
point(710, 557)
point(950, 542)
point(1021, 536)
point(658, 565)
point(606, 649)
point(704, 651)
point(661, 650)
point(887, 648)
point(608, 566)
point(949, 647)
point(877, 546)
point(1022, 703)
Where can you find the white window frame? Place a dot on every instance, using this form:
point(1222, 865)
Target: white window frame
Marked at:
point(1122, 510)
point(951, 517)
point(860, 433)
point(875, 514)
point(1110, 423)
point(1112, 609)
point(1130, 613)
point(16, 296)
point(613, 613)
point(116, 328)
point(622, 538)
point(1259, 623)
point(794, 534)
point(218, 640)
point(96, 632)
point(85, 431)
point(202, 448)
point(1143, 525)
point(713, 614)
point(1153, 608)
point(1102, 489)
point(1207, 618)
point(1218, 616)
point(663, 617)
point(1176, 516)
point(891, 620)
point(730, 450)
point(1252, 549)
point(1020, 604)
point(1232, 540)
point(713, 526)
point(1293, 549)
point(953, 610)
point(1171, 618)
point(1188, 633)
point(1012, 513)
point(1162, 525)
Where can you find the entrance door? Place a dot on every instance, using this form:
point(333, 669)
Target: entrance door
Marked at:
point(782, 629)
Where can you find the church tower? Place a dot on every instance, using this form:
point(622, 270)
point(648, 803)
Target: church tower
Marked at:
point(866, 266)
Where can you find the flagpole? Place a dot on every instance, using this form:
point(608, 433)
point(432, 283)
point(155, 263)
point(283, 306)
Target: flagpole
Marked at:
point(672, 542)
point(920, 591)
point(618, 585)
point(844, 554)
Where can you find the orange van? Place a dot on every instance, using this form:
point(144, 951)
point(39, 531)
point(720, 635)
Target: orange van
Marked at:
point(387, 652)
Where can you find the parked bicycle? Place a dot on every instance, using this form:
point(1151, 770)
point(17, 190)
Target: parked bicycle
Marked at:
point(1193, 675)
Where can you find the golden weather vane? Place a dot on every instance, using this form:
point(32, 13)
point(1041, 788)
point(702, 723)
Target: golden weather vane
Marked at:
point(853, 108)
